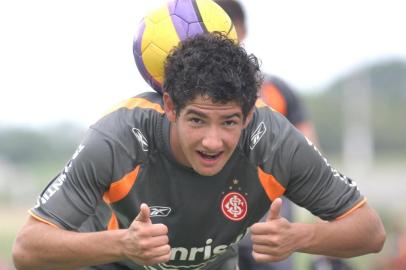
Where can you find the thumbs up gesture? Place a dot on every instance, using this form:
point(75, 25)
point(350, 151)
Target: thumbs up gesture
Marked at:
point(143, 215)
point(273, 240)
point(275, 210)
point(146, 243)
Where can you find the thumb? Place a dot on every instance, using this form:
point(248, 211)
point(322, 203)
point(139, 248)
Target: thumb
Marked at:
point(143, 215)
point(275, 209)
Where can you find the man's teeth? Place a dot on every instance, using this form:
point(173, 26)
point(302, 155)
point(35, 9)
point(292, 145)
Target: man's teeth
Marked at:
point(209, 155)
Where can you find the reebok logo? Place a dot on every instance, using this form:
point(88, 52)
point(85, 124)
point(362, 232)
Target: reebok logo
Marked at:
point(159, 211)
point(141, 139)
point(257, 135)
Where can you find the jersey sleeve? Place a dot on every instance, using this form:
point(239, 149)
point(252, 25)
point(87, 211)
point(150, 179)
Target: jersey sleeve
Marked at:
point(73, 195)
point(301, 172)
point(317, 186)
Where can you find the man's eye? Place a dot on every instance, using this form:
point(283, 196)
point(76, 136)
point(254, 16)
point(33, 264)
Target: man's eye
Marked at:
point(195, 121)
point(230, 123)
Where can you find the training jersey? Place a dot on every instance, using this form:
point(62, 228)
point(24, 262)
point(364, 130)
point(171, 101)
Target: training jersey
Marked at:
point(125, 159)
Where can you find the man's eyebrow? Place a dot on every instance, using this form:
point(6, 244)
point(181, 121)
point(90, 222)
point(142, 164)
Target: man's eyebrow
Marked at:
point(238, 115)
point(192, 111)
point(203, 115)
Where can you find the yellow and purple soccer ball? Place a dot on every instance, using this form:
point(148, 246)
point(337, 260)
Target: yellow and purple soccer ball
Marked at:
point(162, 30)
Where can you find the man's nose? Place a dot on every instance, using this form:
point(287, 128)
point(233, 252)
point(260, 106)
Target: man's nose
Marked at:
point(212, 139)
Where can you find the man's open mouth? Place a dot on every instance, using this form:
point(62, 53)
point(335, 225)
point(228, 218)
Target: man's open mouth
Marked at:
point(211, 156)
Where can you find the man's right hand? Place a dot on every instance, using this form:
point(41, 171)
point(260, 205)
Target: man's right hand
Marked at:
point(147, 243)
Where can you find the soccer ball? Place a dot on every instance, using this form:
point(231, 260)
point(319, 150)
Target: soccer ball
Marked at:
point(164, 28)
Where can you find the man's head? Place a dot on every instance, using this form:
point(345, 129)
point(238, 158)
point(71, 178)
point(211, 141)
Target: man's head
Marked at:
point(214, 66)
point(237, 15)
point(210, 86)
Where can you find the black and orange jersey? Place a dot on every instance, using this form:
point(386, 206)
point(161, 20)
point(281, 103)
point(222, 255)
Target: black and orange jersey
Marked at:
point(280, 96)
point(125, 160)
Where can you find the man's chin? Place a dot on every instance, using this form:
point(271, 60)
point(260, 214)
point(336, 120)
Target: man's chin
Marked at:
point(207, 172)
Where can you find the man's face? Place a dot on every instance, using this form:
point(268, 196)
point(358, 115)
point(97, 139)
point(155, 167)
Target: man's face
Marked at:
point(205, 134)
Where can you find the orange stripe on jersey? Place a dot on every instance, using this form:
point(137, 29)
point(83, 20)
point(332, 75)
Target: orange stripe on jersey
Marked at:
point(132, 103)
point(272, 187)
point(118, 190)
point(273, 97)
point(42, 219)
point(358, 205)
point(113, 223)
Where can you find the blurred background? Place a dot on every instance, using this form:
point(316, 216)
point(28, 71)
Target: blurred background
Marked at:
point(63, 63)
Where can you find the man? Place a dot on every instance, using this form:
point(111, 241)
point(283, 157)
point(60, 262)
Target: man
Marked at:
point(281, 97)
point(173, 182)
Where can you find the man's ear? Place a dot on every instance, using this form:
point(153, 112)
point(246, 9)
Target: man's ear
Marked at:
point(169, 107)
point(249, 117)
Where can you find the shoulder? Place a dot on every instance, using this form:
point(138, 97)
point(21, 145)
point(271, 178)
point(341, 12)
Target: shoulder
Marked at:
point(268, 134)
point(282, 97)
point(276, 93)
point(284, 88)
point(144, 102)
point(133, 123)
point(271, 143)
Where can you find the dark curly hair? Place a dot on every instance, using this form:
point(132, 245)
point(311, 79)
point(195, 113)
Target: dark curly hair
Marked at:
point(212, 65)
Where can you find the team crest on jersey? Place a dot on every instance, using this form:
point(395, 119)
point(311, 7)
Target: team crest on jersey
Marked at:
point(257, 135)
point(141, 139)
point(234, 206)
